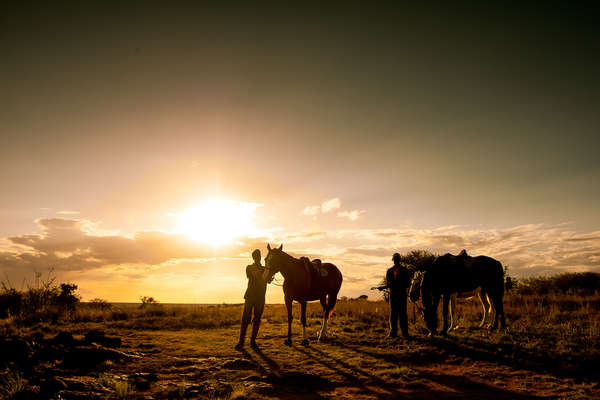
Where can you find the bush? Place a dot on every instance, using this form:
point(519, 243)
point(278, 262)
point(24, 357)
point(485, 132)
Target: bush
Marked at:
point(45, 301)
point(418, 260)
point(147, 301)
point(99, 304)
point(586, 283)
point(11, 303)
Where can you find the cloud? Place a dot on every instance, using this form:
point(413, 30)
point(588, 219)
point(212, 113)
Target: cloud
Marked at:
point(67, 212)
point(528, 250)
point(351, 215)
point(311, 210)
point(331, 204)
point(68, 245)
point(81, 251)
point(325, 207)
point(302, 236)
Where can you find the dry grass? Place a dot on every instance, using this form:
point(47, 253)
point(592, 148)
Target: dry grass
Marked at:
point(550, 349)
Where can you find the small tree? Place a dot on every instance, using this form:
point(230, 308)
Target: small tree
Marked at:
point(418, 260)
point(100, 304)
point(66, 298)
point(147, 301)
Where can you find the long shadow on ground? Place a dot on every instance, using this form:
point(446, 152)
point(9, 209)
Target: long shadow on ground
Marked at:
point(292, 384)
point(511, 354)
point(467, 388)
point(508, 354)
point(459, 388)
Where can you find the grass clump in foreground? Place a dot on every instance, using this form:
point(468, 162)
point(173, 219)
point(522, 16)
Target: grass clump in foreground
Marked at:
point(42, 301)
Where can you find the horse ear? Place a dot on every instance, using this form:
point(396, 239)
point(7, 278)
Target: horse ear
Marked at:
point(268, 247)
point(281, 247)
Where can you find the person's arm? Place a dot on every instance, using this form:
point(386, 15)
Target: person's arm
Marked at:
point(387, 282)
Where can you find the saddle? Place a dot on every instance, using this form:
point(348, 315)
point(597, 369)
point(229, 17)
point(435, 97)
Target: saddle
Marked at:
point(463, 263)
point(462, 258)
point(314, 266)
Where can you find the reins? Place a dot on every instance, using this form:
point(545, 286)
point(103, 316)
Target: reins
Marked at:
point(276, 282)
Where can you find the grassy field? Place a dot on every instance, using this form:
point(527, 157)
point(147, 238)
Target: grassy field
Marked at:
point(550, 349)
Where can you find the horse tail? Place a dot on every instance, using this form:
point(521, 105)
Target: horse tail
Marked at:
point(333, 296)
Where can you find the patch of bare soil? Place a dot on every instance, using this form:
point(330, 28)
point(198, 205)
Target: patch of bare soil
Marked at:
point(353, 363)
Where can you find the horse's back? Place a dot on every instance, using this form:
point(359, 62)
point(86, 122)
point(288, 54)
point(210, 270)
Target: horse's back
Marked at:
point(326, 280)
point(453, 274)
point(486, 269)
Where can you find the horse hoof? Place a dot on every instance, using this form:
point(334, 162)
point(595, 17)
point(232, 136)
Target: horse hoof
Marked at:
point(304, 342)
point(288, 342)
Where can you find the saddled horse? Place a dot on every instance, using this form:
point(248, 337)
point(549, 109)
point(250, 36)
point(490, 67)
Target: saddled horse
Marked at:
point(460, 274)
point(304, 282)
point(414, 294)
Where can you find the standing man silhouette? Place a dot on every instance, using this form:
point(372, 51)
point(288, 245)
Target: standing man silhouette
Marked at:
point(397, 281)
point(255, 300)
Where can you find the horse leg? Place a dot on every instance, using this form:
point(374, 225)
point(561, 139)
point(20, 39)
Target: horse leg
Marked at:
point(323, 331)
point(303, 320)
point(432, 316)
point(495, 303)
point(482, 296)
point(491, 310)
point(452, 307)
point(445, 305)
point(288, 305)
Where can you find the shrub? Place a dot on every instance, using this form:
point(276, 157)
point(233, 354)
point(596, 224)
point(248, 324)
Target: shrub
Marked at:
point(418, 259)
point(99, 304)
point(44, 301)
point(586, 283)
point(11, 302)
point(147, 301)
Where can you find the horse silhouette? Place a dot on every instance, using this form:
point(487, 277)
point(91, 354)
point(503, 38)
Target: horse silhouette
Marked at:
point(304, 282)
point(450, 274)
point(414, 294)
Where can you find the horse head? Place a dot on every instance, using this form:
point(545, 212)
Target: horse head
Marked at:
point(272, 262)
point(414, 292)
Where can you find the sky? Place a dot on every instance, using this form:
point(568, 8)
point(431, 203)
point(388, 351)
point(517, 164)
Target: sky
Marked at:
point(132, 134)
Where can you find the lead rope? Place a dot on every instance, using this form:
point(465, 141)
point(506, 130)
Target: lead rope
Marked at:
point(276, 282)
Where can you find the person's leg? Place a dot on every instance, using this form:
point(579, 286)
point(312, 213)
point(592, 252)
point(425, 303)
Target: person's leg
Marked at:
point(393, 316)
point(246, 317)
point(403, 316)
point(258, 310)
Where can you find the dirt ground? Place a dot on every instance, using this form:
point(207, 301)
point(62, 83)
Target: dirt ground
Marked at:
point(353, 364)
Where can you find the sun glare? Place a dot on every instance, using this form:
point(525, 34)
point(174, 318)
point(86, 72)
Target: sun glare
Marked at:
point(217, 221)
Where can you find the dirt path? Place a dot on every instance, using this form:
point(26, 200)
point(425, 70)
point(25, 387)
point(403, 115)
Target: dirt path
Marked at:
point(193, 363)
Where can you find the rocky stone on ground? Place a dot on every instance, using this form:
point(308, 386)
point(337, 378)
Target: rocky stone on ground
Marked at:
point(99, 337)
point(238, 363)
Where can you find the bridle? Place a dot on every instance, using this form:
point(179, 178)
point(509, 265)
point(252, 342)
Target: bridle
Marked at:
point(272, 280)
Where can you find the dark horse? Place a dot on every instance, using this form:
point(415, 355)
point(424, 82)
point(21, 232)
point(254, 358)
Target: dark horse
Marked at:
point(459, 274)
point(304, 282)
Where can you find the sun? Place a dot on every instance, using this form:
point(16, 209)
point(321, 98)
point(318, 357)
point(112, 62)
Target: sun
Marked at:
point(217, 221)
